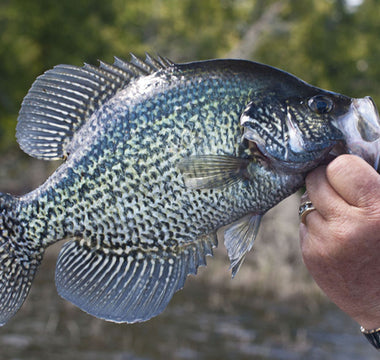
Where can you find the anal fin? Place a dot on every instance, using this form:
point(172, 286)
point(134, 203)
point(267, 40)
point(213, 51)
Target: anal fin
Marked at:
point(126, 287)
point(239, 238)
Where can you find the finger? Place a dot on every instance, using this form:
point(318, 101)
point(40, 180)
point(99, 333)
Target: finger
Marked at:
point(312, 223)
point(354, 180)
point(312, 236)
point(324, 198)
point(306, 207)
point(303, 236)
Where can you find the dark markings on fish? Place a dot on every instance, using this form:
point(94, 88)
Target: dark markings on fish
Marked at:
point(159, 156)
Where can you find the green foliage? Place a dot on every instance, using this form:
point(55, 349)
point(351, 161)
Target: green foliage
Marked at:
point(329, 44)
point(323, 41)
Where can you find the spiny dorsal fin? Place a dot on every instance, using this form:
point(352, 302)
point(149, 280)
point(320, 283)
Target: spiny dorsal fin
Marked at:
point(62, 99)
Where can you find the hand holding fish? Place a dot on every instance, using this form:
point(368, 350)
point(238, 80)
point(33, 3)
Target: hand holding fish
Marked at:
point(340, 241)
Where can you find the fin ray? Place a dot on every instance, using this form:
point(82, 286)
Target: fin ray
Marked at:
point(15, 282)
point(62, 99)
point(126, 287)
point(212, 171)
point(239, 238)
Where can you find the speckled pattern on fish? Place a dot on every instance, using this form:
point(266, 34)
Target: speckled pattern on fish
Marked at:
point(158, 156)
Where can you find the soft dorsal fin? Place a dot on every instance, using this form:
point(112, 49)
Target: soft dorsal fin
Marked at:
point(62, 99)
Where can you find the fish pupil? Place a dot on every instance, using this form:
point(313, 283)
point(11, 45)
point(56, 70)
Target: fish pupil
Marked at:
point(320, 104)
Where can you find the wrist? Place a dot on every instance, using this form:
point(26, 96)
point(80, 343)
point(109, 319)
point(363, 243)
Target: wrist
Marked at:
point(369, 325)
point(370, 328)
point(369, 320)
point(365, 310)
point(373, 336)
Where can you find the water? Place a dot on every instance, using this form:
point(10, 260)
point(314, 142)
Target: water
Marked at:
point(202, 322)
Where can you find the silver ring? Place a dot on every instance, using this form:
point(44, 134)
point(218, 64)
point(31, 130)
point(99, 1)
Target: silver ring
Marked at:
point(305, 208)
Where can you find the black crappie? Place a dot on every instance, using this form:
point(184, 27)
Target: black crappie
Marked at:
point(158, 157)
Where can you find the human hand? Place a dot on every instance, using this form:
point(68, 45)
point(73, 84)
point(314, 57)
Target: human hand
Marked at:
point(340, 241)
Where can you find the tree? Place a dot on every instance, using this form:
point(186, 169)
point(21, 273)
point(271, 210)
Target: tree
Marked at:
point(325, 42)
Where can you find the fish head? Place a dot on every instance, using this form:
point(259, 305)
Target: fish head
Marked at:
point(297, 133)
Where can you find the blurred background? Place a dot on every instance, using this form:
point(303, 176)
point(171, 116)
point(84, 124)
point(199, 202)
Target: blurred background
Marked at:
point(272, 309)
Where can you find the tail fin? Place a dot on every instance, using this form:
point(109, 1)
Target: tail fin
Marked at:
point(19, 259)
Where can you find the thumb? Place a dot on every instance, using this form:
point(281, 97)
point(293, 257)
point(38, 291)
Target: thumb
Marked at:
point(354, 180)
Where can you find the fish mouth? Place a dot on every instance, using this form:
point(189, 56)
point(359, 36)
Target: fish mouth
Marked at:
point(339, 148)
point(361, 129)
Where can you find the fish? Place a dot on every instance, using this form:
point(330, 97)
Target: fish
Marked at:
point(157, 156)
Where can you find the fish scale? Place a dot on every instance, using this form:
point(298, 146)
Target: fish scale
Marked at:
point(158, 156)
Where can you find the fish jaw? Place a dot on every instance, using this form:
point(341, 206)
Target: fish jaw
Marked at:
point(361, 129)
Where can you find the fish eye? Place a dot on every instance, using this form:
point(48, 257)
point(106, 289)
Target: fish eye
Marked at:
point(320, 104)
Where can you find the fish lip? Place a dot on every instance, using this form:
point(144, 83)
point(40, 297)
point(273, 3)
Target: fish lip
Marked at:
point(360, 126)
point(365, 109)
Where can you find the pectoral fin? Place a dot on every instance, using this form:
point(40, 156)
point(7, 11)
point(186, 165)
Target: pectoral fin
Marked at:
point(239, 238)
point(212, 171)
